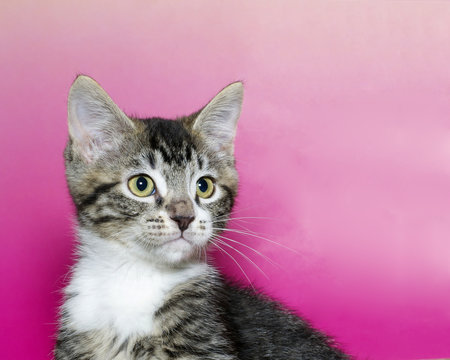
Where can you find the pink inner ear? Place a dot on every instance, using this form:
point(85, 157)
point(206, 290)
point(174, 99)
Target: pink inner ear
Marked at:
point(76, 128)
point(217, 121)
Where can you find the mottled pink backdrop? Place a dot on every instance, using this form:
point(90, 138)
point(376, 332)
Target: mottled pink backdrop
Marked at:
point(343, 151)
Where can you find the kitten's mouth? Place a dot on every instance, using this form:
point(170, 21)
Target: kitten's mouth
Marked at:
point(178, 239)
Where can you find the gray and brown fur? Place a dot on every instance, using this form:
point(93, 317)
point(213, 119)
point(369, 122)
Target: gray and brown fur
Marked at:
point(205, 317)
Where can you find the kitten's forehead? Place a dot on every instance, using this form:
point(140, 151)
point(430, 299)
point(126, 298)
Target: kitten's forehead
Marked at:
point(168, 138)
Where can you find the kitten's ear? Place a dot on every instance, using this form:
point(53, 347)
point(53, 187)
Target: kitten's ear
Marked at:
point(95, 122)
point(216, 123)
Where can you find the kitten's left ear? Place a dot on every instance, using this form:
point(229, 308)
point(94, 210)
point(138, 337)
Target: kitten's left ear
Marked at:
point(216, 123)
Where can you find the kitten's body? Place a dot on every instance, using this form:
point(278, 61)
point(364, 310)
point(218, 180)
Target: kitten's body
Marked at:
point(141, 288)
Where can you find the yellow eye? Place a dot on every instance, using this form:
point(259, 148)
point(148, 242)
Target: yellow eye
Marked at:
point(141, 185)
point(205, 187)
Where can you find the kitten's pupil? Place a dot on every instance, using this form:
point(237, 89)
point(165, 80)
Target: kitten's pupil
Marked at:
point(202, 185)
point(141, 183)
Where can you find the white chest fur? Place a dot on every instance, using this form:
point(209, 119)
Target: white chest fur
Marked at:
point(116, 292)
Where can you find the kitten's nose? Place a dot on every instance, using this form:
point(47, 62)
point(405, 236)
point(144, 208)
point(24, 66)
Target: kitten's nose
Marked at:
point(183, 221)
point(182, 212)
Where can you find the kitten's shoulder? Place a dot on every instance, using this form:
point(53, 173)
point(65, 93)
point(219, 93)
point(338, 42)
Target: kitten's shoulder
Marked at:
point(263, 326)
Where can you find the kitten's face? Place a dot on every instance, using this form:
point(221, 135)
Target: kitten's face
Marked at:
point(160, 188)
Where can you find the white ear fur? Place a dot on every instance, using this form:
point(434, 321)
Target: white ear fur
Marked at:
point(217, 121)
point(95, 121)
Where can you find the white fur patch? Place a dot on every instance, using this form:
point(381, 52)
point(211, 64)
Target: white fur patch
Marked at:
point(110, 289)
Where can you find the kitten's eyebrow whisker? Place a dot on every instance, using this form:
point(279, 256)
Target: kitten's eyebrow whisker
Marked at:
point(245, 256)
point(232, 258)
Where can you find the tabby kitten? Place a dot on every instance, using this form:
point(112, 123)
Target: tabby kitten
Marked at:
point(149, 195)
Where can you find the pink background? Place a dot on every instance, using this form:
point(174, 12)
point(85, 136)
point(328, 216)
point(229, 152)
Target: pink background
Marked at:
point(344, 144)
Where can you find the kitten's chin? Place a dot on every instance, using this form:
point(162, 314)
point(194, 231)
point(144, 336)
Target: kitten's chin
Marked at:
point(175, 252)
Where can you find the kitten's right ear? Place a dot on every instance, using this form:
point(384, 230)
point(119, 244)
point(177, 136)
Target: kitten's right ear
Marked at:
point(95, 122)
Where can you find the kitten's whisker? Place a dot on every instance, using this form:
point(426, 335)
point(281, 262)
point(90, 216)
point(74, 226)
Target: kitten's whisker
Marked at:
point(232, 258)
point(249, 247)
point(141, 240)
point(240, 210)
point(225, 217)
point(242, 228)
point(245, 228)
point(198, 251)
point(259, 237)
point(251, 231)
point(243, 255)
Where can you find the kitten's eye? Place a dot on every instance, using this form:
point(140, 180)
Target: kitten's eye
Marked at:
point(205, 187)
point(141, 185)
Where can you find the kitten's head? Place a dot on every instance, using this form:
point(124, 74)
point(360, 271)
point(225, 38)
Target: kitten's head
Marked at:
point(160, 188)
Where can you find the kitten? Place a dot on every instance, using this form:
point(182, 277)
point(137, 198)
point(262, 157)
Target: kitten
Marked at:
point(149, 195)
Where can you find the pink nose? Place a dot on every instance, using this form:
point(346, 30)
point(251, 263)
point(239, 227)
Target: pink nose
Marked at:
point(183, 221)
